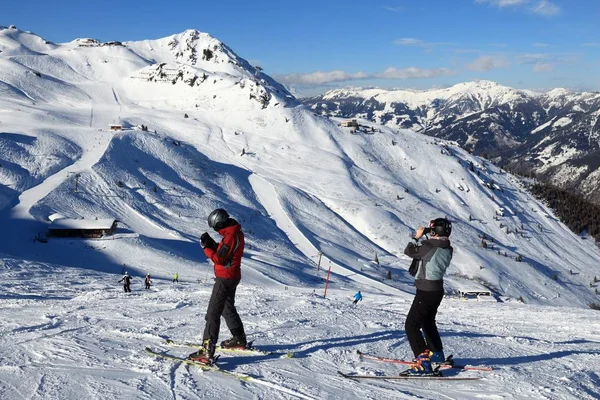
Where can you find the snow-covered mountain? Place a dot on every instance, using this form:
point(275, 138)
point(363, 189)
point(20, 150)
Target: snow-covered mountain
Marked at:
point(555, 134)
point(203, 129)
point(37, 70)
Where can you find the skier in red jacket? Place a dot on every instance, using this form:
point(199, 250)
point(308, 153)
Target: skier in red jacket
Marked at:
point(227, 257)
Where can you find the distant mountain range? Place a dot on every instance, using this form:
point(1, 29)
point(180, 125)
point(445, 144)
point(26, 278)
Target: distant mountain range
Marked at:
point(555, 134)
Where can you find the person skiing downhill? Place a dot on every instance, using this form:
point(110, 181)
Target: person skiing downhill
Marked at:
point(126, 282)
point(147, 281)
point(357, 297)
point(227, 259)
point(430, 261)
point(176, 277)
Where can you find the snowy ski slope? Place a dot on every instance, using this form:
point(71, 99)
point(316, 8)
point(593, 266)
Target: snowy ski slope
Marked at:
point(300, 185)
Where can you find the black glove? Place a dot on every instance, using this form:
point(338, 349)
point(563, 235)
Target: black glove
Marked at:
point(207, 241)
point(204, 239)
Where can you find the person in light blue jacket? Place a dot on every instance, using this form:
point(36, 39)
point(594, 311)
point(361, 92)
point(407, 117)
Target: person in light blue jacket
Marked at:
point(431, 258)
point(357, 297)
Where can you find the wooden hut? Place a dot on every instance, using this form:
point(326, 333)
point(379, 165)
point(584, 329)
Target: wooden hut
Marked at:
point(86, 228)
point(350, 124)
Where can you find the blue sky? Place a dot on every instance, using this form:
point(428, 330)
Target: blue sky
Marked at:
point(317, 45)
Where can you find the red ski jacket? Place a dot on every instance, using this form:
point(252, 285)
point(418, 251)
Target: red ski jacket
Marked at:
point(228, 254)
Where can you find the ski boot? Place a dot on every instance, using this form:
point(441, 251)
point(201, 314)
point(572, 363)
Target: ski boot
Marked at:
point(235, 342)
point(422, 366)
point(205, 355)
point(438, 359)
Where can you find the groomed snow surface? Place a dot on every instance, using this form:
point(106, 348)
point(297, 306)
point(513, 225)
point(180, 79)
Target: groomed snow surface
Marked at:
point(73, 334)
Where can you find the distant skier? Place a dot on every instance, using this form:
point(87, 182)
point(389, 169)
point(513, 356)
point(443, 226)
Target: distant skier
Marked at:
point(148, 281)
point(176, 277)
point(430, 261)
point(357, 297)
point(126, 282)
point(227, 257)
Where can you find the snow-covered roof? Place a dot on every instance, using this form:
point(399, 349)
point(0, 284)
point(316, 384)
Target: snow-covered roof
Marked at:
point(56, 216)
point(473, 290)
point(67, 223)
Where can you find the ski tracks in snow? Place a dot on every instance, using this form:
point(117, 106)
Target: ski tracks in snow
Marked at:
point(137, 221)
point(30, 197)
point(89, 343)
point(269, 199)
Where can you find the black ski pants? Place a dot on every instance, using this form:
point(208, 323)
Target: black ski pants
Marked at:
point(127, 287)
point(222, 303)
point(421, 316)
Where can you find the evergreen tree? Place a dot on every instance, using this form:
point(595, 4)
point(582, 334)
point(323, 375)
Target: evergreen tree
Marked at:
point(571, 208)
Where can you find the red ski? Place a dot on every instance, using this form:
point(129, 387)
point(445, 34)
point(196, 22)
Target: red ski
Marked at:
point(448, 365)
point(403, 377)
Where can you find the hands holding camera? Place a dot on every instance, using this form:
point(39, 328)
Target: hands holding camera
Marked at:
point(421, 231)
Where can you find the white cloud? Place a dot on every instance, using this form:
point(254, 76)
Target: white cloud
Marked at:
point(545, 62)
point(409, 42)
point(421, 43)
point(540, 45)
point(486, 63)
point(502, 3)
point(545, 8)
point(546, 58)
point(543, 67)
point(413, 72)
point(591, 44)
point(319, 78)
point(393, 9)
point(532, 58)
point(539, 7)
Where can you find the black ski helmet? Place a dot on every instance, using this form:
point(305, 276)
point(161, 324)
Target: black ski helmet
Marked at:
point(217, 219)
point(441, 227)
